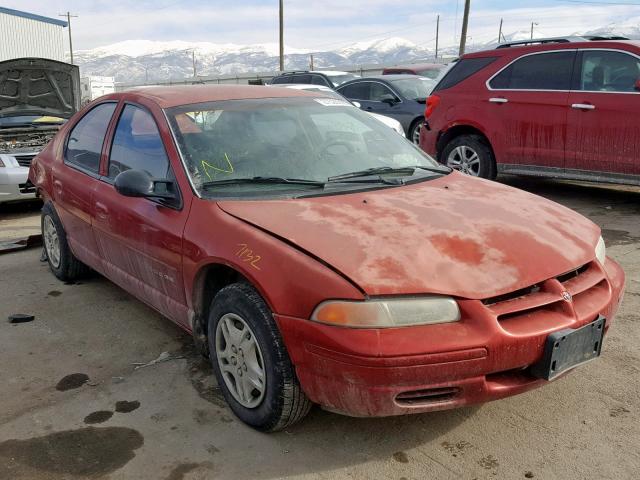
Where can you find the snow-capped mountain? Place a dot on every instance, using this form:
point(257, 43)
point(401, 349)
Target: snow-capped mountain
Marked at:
point(151, 61)
point(139, 61)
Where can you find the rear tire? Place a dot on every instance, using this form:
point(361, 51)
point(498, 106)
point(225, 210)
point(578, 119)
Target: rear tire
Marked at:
point(63, 264)
point(243, 338)
point(470, 154)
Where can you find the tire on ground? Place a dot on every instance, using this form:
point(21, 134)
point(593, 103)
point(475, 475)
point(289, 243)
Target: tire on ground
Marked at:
point(69, 267)
point(284, 403)
point(479, 145)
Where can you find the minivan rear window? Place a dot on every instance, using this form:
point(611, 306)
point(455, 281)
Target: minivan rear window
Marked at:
point(462, 70)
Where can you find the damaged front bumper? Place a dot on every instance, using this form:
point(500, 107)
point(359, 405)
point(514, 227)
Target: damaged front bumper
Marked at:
point(486, 356)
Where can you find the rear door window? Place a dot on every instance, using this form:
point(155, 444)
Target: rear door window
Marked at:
point(84, 145)
point(281, 79)
point(608, 71)
point(541, 71)
point(137, 145)
point(462, 70)
point(356, 91)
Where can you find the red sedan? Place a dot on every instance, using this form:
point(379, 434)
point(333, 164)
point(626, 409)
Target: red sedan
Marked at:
point(317, 256)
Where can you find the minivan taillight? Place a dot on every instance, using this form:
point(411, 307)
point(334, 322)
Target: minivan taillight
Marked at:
point(432, 102)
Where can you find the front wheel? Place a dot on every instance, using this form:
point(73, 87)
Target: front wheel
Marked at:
point(414, 131)
point(250, 361)
point(471, 155)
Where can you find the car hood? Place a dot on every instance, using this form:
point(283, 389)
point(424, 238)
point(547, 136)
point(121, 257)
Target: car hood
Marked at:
point(454, 235)
point(37, 86)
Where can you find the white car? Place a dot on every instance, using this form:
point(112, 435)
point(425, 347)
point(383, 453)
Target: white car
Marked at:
point(389, 122)
point(31, 113)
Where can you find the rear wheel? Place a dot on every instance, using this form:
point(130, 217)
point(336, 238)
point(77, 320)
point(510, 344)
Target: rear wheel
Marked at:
point(471, 155)
point(250, 361)
point(64, 265)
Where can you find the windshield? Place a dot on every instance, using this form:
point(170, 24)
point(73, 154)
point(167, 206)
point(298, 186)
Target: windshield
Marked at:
point(340, 79)
point(414, 88)
point(431, 73)
point(301, 138)
point(22, 120)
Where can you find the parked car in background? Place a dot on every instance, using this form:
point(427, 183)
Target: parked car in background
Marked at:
point(329, 92)
point(36, 97)
point(561, 107)
point(397, 96)
point(327, 78)
point(316, 256)
point(428, 70)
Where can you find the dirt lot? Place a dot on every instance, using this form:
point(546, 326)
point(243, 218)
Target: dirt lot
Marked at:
point(168, 420)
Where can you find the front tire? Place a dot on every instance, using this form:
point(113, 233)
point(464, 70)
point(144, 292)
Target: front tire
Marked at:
point(63, 264)
point(414, 131)
point(470, 154)
point(251, 363)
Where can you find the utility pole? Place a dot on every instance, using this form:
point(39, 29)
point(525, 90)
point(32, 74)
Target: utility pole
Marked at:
point(532, 24)
point(69, 17)
point(500, 32)
point(193, 61)
point(281, 35)
point(311, 62)
point(465, 23)
point(437, 34)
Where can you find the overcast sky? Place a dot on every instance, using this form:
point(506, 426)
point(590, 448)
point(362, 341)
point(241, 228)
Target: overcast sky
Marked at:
point(322, 24)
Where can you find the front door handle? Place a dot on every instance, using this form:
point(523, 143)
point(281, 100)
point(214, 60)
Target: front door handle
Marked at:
point(583, 106)
point(101, 211)
point(498, 100)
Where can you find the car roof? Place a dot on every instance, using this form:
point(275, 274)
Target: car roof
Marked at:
point(305, 86)
point(418, 66)
point(517, 50)
point(385, 78)
point(173, 96)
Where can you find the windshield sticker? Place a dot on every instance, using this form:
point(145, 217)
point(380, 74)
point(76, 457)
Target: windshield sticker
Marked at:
point(332, 102)
point(213, 170)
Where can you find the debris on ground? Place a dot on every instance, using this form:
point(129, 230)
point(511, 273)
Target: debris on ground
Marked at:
point(163, 357)
point(20, 244)
point(21, 318)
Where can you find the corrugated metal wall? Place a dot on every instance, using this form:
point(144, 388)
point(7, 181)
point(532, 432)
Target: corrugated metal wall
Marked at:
point(24, 37)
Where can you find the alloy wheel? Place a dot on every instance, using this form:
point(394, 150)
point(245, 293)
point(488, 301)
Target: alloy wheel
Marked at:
point(51, 241)
point(240, 360)
point(464, 159)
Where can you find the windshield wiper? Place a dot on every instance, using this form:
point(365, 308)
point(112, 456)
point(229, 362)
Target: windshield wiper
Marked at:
point(264, 180)
point(381, 170)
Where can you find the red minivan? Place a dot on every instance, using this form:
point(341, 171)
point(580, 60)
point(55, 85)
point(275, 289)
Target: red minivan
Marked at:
point(565, 108)
point(317, 256)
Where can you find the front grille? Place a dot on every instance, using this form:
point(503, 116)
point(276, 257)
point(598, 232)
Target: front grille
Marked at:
point(27, 187)
point(24, 160)
point(543, 303)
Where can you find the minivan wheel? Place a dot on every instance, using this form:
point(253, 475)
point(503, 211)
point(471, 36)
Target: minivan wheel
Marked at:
point(64, 265)
point(250, 361)
point(471, 155)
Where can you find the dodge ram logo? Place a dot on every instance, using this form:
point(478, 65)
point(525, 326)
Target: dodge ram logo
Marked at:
point(566, 296)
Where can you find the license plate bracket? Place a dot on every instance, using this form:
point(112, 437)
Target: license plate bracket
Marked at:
point(568, 348)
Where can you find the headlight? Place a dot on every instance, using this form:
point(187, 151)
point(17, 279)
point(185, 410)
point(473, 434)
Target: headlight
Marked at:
point(388, 313)
point(601, 251)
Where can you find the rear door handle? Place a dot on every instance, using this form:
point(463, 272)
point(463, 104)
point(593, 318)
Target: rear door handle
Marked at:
point(583, 106)
point(498, 100)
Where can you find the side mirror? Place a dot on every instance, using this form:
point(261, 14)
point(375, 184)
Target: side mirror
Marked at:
point(357, 104)
point(136, 183)
point(637, 85)
point(389, 99)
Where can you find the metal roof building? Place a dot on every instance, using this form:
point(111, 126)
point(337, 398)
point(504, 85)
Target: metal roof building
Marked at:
point(24, 34)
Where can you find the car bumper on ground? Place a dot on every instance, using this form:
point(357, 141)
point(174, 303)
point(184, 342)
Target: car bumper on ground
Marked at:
point(486, 356)
point(14, 185)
